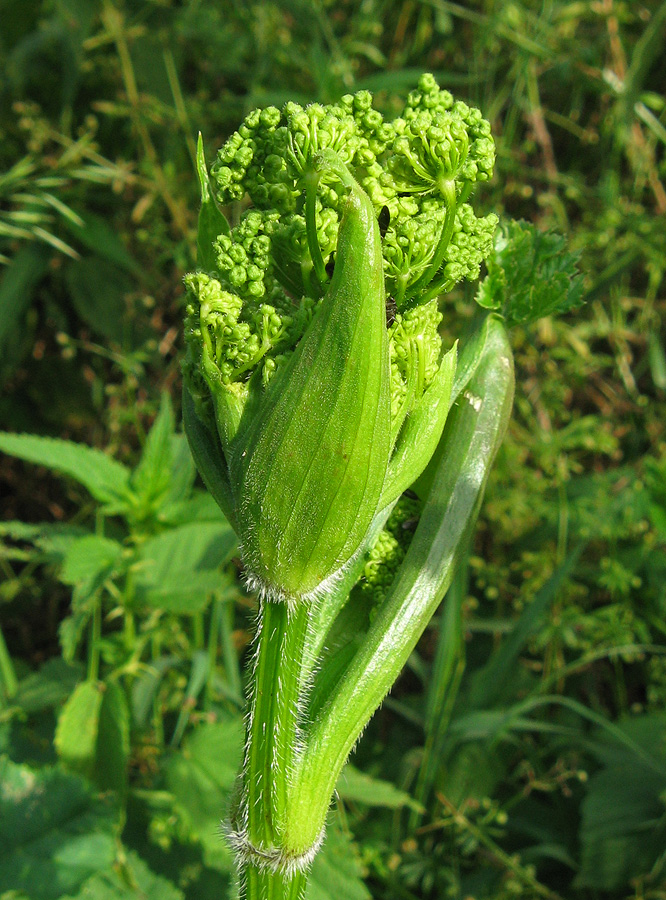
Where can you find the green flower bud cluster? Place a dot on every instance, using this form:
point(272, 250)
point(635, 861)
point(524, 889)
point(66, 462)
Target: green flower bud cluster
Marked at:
point(414, 353)
point(388, 551)
point(319, 181)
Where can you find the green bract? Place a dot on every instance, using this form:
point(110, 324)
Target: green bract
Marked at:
point(317, 385)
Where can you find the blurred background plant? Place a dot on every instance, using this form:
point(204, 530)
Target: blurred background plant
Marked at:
point(523, 752)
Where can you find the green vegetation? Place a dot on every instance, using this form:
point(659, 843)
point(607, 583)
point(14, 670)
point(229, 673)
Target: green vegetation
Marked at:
point(521, 752)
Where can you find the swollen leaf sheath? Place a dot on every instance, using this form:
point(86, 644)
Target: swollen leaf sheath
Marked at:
point(312, 462)
point(472, 435)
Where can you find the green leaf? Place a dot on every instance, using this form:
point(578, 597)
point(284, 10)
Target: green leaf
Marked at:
point(183, 471)
point(336, 872)
point(84, 598)
point(530, 275)
point(113, 741)
point(98, 289)
point(54, 833)
point(212, 222)
point(16, 286)
point(361, 788)
point(53, 539)
point(179, 569)
point(152, 477)
point(201, 778)
point(106, 479)
point(92, 735)
point(207, 456)
point(623, 827)
point(131, 880)
point(47, 688)
point(89, 560)
point(97, 235)
point(78, 728)
point(201, 507)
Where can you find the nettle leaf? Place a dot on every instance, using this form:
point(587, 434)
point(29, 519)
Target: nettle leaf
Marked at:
point(105, 478)
point(361, 788)
point(179, 569)
point(113, 741)
point(54, 832)
point(92, 735)
point(131, 880)
point(530, 275)
point(623, 827)
point(152, 476)
point(49, 687)
point(90, 560)
point(50, 541)
point(78, 726)
point(201, 777)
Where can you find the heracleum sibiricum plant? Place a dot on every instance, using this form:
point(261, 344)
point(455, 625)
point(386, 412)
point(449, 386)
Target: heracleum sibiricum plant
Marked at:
point(317, 391)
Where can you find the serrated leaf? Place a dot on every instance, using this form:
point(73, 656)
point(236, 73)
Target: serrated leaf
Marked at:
point(132, 880)
point(201, 507)
point(152, 477)
point(113, 741)
point(90, 559)
point(179, 569)
point(623, 827)
point(106, 479)
point(361, 788)
point(201, 777)
point(49, 687)
point(530, 275)
point(78, 727)
point(53, 539)
point(183, 471)
point(54, 833)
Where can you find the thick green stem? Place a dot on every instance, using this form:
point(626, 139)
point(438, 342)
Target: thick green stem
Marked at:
point(270, 868)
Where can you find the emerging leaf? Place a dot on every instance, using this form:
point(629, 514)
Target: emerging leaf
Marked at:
point(530, 275)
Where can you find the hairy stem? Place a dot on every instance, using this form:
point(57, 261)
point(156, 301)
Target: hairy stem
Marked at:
point(271, 869)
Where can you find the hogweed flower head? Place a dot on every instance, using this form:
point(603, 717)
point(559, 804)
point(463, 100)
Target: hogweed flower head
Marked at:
point(309, 408)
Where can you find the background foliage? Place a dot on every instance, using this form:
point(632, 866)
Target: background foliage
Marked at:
point(523, 752)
